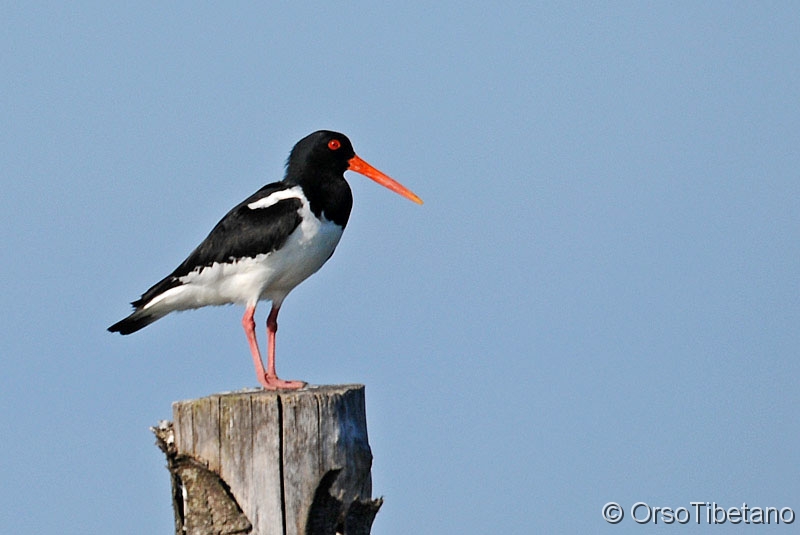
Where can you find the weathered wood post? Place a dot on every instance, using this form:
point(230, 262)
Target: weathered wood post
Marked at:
point(271, 463)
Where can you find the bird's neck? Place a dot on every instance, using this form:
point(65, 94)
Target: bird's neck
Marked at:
point(328, 194)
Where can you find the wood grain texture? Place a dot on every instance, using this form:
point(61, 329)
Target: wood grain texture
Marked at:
point(272, 450)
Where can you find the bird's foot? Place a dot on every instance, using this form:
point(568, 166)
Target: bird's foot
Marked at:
point(272, 382)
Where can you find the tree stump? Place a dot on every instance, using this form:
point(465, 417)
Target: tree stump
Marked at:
point(271, 463)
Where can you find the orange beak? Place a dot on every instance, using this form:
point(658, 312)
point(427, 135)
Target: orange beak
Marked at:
point(360, 166)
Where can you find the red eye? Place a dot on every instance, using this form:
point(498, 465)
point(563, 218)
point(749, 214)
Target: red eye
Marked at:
point(334, 144)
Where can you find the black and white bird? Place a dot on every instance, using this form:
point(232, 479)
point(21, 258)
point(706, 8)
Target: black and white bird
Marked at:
point(268, 244)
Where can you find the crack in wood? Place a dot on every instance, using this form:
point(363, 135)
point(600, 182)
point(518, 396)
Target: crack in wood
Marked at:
point(203, 502)
point(329, 516)
point(280, 464)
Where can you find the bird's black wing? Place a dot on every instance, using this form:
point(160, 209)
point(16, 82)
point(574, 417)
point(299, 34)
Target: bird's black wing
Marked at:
point(243, 232)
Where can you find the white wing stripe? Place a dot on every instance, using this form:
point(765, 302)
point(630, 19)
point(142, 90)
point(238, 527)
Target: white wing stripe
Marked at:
point(295, 192)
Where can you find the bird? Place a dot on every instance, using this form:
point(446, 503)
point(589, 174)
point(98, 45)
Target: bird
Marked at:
point(266, 245)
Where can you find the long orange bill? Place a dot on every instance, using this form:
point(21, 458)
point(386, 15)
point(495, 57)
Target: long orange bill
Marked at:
point(360, 166)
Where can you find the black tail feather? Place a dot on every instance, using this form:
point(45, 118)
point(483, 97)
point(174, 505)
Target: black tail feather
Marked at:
point(140, 319)
point(133, 323)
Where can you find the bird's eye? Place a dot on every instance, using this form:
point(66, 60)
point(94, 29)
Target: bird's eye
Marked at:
point(334, 144)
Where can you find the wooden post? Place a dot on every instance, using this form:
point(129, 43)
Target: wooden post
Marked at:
point(271, 463)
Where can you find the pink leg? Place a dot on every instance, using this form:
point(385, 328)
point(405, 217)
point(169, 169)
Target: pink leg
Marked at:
point(268, 379)
point(272, 376)
point(272, 331)
point(249, 325)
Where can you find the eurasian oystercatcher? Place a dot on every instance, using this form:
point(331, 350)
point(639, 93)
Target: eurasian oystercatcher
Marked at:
point(268, 244)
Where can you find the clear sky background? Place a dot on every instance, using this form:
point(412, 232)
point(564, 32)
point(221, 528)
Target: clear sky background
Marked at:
point(599, 300)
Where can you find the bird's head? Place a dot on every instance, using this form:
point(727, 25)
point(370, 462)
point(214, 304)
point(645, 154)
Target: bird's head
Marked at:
point(327, 153)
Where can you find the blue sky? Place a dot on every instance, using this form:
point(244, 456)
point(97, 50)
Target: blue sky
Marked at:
point(598, 301)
